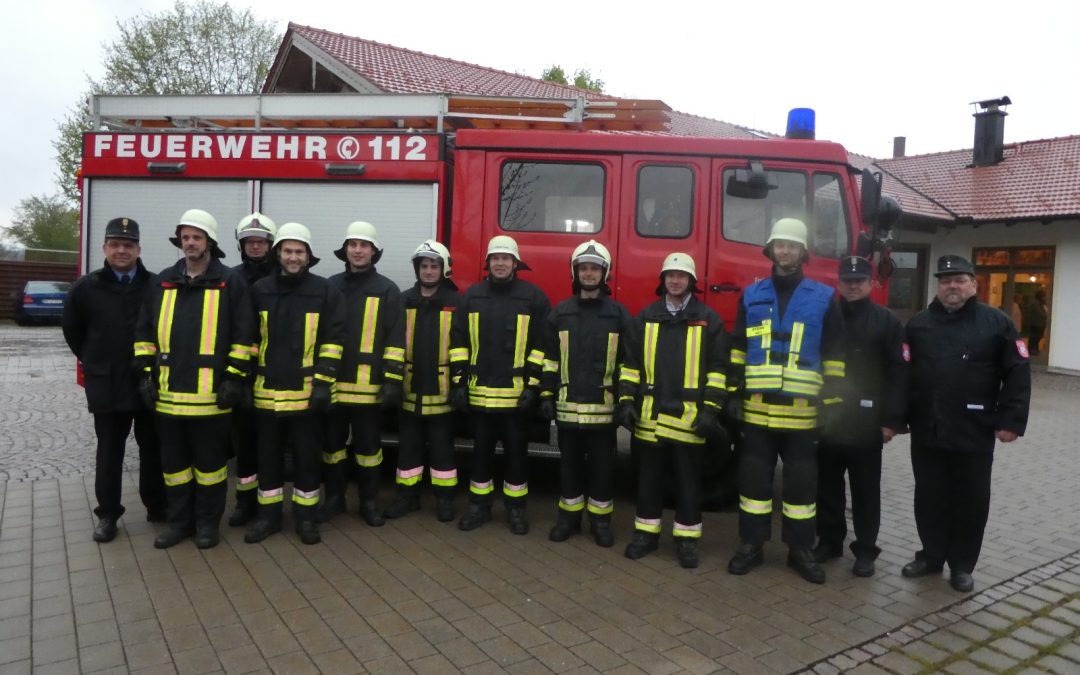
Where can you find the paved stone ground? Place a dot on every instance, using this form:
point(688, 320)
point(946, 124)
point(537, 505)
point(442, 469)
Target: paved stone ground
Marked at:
point(419, 595)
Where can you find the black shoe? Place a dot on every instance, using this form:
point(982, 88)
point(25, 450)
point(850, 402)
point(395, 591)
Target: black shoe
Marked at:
point(475, 516)
point(641, 544)
point(329, 507)
point(746, 558)
point(919, 568)
point(404, 502)
point(370, 513)
point(962, 582)
point(517, 519)
point(261, 528)
point(686, 552)
point(864, 567)
point(245, 510)
point(207, 536)
point(157, 515)
point(444, 509)
point(105, 530)
point(601, 531)
point(802, 560)
point(566, 524)
point(172, 536)
point(308, 531)
point(823, 552)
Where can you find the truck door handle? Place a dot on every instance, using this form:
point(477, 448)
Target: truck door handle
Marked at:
point(724, 288)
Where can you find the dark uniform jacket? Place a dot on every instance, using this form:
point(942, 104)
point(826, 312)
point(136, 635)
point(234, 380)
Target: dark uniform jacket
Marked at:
point(253, 270)
point(302, 324)
point(678, 364)
point(423, 338)
point(372, 309)
point(497, 338)
point(99, 326)
point(191, 334)
point(874, 389)
point(970, 376)
point(586, 343)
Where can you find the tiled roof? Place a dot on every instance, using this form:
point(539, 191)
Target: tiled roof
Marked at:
point(911, 200)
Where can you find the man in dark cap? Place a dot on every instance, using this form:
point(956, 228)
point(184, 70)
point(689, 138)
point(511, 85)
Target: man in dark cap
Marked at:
point(970, 387)
point(99, 326)
point(872, 411)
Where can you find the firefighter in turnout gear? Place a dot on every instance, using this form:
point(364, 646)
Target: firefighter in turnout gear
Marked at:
point(254, 237)
point(873, 410)
point(672, 391)
point(496, 339)
point(970, 388)
point(426, 424)
point(301, 326)
point(587, 342)
point(370, 374)
point(193, 346)
point(788, 361)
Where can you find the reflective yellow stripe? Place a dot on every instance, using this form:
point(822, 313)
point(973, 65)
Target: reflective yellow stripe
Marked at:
point(311, 329)
point(738, 357)
point(410, 327)
point(631, 375)
point(650, 525)
point(335, 457)
point(799, 511)
point(211, 477)
point(686, 531)
point(330, 351)
point(145, 349)
point(834, 368)
point(600, 508)
point(564, 362)
point(514, 491)
point(572, 505)
point(692, 366)
point(474, 336)
point(795, 346)
point(305, 498)
point(369, 461)
point(208, 335)
point(652, 331)
point(612, 354)
point(755, 506)
point(179, 478)
point(394, 354)
point(718, 380)
point(521, 339)
point(165, 318)
point(459, 354)
point(271, 496)
point(371, 321)
point(264, 319)
point(187, 410)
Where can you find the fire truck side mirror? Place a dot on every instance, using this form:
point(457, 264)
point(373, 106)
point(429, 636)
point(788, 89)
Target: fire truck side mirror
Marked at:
point(888, 214)
point(864, 245)
point(752, 183)
point(871, 197)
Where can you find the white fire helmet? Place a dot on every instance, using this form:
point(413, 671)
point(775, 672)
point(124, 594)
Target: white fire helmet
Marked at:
point(679, 262)
point(360, 231)
point(256, 225)
point(435, 250)
point(591, 251)
point(202, 221)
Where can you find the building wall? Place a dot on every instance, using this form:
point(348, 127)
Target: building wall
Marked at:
point(1062, 234)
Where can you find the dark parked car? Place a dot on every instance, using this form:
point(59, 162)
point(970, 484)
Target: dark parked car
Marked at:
point(41, 301)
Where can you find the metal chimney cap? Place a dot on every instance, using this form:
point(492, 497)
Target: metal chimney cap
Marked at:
point(992, 103)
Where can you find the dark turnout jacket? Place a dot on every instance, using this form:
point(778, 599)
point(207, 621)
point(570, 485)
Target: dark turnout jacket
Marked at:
point(970, 376)
point(372, 309)
point(99, 326)
point(422, 337)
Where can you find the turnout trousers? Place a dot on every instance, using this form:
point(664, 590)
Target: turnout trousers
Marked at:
point(246, 446)
point(587, 466)
point(653, 460)
point(365, 424)
point(863, 469)
point(302, 433)
point(112, 431)
point(757, 464)
point(194, 452)
point(952, 503)
point(488, 429)
point(428, 437)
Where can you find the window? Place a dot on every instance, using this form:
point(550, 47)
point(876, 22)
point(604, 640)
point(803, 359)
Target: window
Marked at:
point(665, 201)
point(829, 226)
point(749, 220)
point(551, 197)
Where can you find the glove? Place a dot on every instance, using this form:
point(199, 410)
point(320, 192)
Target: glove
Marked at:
point(707, 423)
point(733, 409)
point(547, 407)
point(148, 391)
point(626, 415)
point(231, 393)
point(527, 400)
point(320, 396)
point(829, 416)
point(392, 394)
point(459, 398)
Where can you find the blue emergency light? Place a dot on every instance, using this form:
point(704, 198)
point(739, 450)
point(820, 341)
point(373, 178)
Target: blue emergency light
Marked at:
point(800, 123)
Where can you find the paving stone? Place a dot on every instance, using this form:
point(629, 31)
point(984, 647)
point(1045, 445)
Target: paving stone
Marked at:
point(993, 659)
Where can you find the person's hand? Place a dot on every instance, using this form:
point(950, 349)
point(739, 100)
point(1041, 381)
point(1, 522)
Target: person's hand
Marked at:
point(547, 407)
point(1006, 436)
point(320, 396)
point(528, 399)
point(887, 434)
point(626, 415)
point(392, 394)
point(230, 394)
point(459, 398)
point(707, 424)
point(733, 410)
point(148, 391)
point(828, 416)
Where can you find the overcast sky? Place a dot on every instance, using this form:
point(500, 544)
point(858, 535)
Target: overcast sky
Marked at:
point(872, 70)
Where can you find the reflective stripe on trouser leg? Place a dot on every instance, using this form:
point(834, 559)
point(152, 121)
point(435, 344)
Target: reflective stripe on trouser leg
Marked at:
point(211, 439)
point(598, 508)
point(409, 478)
point(245, 445)
point(572, 504)
point(757, 461)
point(514, 436)
point(484, 439)
point(798, 451)
point(686, 461)
point(650, 494)
point(335, 455)
point(365, 424)
point(177, 470)
point(440, 446)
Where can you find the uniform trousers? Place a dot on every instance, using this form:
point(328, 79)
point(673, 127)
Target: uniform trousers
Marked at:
point(863, 469)
point(586, 466)
point(194, 453)
point(489, 429)
point(952, 503)
point(365, 424)
point(112, 431)
point(246, 446)
point(653, 460)
point(757, 464)
point(302, 433)
point(430, 437)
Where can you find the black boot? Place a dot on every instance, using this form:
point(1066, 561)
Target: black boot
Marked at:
point(268, 522)
point(329, 507)
point(517, 519)
point(642, 544)
point(686, 551)
point(802, 561)
point(477, 514)
point(207, 535)
point(601, 530)
point(308, 531)
point(369, 511)
point(173, 535)
point(246, 507)
point(444, 508)
point(566, 524)
point(406, 501)
point(824, 552)
point(746, 558)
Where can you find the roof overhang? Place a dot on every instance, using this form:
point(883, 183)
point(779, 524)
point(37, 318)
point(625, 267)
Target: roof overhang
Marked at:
point(299, 59)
